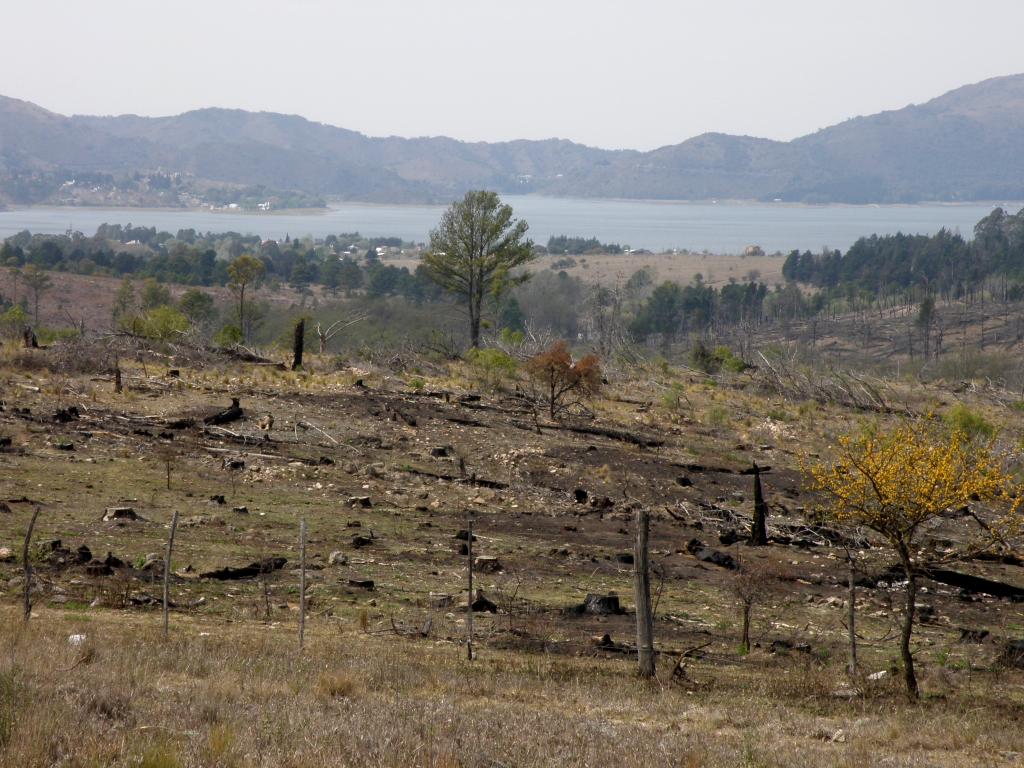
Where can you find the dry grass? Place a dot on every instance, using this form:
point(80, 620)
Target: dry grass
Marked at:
point(230, 688)
point(240, 694)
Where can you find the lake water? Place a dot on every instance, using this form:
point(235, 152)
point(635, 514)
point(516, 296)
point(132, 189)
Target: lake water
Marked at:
point(719, 228)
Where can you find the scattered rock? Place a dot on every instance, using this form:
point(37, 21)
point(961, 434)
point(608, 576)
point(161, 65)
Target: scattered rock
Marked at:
point(784, 646)
point(120, 513)
point(64, 415)
point(441, 600)
point(599, 605)
point(6, 555)
point(972, 635)
point(715, 557)
point(98, 568)
point(154, 562)
point(488, 564)
point(1012, 654)
point(708, 555)
point(483, 605)
point(112, 561)
point(728, 537)
point(878, 676)
point(337, 557)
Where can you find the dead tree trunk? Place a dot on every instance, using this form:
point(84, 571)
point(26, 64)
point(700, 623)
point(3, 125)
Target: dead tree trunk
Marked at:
point(302, 583)
point(642, 595)
point(27, 564)
point(298, 344)
point(167, 567)
point(469, 595)
point(909, 676)
point(759, 528)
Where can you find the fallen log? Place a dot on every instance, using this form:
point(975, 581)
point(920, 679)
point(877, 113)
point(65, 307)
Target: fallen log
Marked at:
point(228, 573)
point(643, 441)
point(232, 413)
point(971, 583)
point(471, 480)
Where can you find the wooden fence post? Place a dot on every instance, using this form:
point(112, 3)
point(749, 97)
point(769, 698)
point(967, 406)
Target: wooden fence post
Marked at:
point(469, 596)
point(167, 567)
point(27, 563)
point(302, 583)
point(642, 595)
point(852, 617)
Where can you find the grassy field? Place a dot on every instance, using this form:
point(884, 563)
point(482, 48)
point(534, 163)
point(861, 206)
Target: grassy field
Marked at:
point(614, 269)
point(383, 679)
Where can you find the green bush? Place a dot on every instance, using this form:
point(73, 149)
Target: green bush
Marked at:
point(492, 367)
point(716, 360)
point(228, 336)
point(972, 423)
point(163, 323)
point(13, 321)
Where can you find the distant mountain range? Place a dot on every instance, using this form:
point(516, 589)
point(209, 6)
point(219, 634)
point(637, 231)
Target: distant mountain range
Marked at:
point(965, 145)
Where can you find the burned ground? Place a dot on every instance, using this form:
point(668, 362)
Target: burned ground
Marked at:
point(386, 473)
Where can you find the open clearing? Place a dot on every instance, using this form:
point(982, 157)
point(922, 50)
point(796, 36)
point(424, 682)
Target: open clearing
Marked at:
point(384, 467)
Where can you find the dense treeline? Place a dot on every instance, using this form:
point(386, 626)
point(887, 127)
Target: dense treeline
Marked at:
point(345, 262)
point(577, 246)
point(943, 264)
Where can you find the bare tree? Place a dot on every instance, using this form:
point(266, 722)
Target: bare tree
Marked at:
point(38, 282)
point(332, 330)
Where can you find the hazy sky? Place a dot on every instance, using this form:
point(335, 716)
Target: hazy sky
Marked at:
point(629, 73)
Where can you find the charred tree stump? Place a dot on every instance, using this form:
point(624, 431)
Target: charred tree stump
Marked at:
point(759, 527)
point(298, 344)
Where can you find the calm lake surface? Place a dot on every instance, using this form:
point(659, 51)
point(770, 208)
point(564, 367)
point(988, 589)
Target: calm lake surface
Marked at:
point(719, 228)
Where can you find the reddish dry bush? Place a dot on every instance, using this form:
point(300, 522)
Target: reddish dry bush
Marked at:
point(562, 382)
